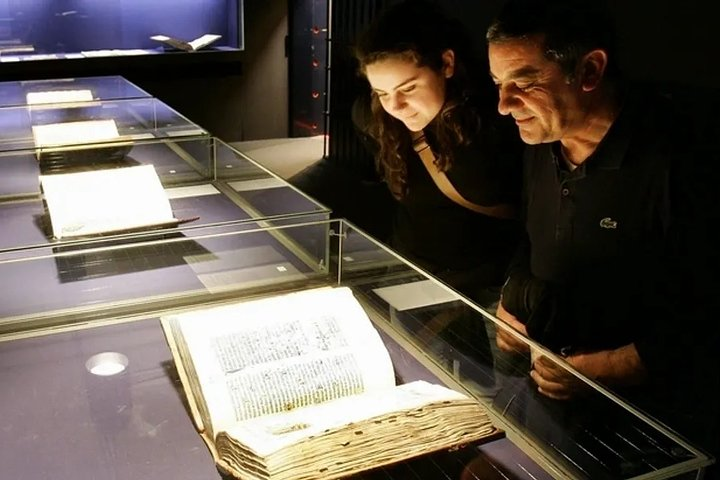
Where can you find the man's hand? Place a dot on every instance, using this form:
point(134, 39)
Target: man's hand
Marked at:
point(554, 381)
point(621, 366)
point(505, 340)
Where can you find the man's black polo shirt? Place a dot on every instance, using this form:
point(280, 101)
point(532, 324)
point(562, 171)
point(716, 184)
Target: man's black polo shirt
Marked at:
point(614, 243)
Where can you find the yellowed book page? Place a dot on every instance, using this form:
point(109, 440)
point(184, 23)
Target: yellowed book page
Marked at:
point(266, 356)
point(193, 406)
point(352, 434)
point(87, 203)
point(273, 433)
point(184, 377)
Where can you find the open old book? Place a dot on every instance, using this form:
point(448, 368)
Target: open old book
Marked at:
point(110, 200)
point(187, 46)
point(300, 386)
point(59, 146)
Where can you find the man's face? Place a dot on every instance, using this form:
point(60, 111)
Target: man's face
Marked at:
point(414, 95)
point(534, 90)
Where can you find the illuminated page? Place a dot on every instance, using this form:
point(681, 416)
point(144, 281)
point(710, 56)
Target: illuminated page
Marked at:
point(58, 96)
point(100, 201)
point(74, 133)
point(271, 355)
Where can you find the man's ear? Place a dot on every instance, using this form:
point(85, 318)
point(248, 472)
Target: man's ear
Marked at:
point(592, 69)
point(448, 58)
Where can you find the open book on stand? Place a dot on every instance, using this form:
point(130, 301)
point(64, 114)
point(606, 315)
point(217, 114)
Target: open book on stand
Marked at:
point(190, 46)
point(68, 145)
point(300, 386)
point(110, 200)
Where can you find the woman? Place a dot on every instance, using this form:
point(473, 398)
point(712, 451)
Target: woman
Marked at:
point(450, 161)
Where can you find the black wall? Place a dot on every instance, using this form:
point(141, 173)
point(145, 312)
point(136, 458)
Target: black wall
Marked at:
point(661, 41)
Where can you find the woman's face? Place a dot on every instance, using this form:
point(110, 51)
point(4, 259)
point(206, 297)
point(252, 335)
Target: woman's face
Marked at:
point(414, 95)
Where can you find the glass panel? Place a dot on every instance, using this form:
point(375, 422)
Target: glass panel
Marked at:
point(596, 436)
point(103, 301)
point(54, 126)
point(70, 90)
point(87, 280)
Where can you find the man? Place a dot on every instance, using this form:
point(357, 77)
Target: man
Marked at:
point(617, 272)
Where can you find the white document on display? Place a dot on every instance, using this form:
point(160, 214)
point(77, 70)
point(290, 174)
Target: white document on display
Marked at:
point(58, 96)
point(102, 201)
point(74, 133)
point(415, 295)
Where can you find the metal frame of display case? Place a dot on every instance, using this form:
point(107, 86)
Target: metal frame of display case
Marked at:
point(134, 425)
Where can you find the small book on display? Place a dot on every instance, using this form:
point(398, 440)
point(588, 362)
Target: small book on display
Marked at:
point(73, 134)
point(65, 98)
point(191, 46)
point(112, 200)
point(69, 145)
point(300, 386)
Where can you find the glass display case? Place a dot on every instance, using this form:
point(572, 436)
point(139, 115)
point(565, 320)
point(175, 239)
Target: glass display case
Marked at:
point(66, 123)
point(76, 151)
point(62, 312)
point(205, 180)
point(20, 93)
point(74, 29)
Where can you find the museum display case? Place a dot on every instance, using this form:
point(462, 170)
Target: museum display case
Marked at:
point(206, 181)
point(65, 313)
point(98, 158)
point(75, 29)
point(20, 93)
point(63, 118)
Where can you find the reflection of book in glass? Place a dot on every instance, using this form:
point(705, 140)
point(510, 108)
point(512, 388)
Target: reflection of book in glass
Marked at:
point(301, 386)
point(190, 46)
point(106, 201)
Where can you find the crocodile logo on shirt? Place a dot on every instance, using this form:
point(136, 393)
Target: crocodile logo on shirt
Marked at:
point(608, 222)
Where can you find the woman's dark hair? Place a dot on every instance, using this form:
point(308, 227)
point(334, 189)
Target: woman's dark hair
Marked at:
point(421, 32)
point(569, 29)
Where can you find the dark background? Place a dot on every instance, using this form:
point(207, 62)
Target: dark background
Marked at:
point(253, 94)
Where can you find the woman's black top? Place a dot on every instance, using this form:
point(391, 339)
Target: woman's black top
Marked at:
point(467, 249)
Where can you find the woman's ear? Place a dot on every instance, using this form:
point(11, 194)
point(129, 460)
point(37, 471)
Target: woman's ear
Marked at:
point(448, 58)
point(592, 68)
